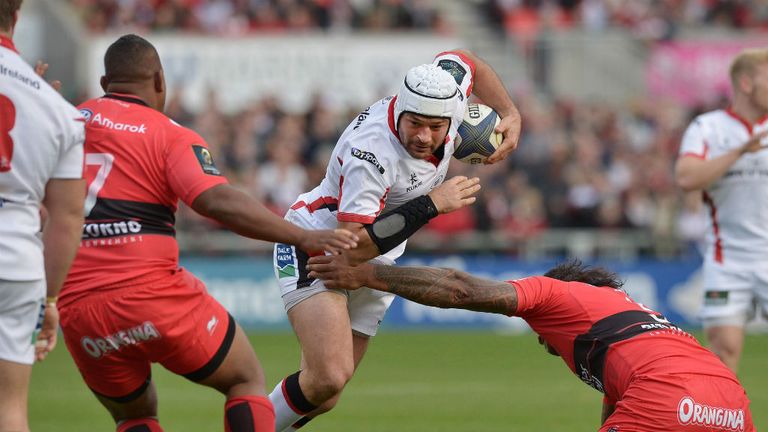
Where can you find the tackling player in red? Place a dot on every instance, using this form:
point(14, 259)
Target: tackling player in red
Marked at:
point(126, 302)
point(655, 376)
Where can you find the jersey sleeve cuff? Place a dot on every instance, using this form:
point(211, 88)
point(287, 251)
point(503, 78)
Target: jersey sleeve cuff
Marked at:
point(352, 217)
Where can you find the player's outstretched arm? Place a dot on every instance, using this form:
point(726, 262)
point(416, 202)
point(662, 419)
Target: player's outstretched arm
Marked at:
point(440, 287)
point(244, 215)
point(693, 173)
point(489, 88)
point(395, 226)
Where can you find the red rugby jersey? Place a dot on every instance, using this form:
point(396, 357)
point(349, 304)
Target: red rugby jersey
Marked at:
point(606, 338)
point(139, 163)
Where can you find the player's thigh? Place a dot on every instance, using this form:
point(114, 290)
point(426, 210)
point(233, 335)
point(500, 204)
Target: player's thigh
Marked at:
point(240, 373)
point(321, 323)
point(200, 333)
point(21, 312)
point(114, 336)
point(94, 333)
point(728, 295)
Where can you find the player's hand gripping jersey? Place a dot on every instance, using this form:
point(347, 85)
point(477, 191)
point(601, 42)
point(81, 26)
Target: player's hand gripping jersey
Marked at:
point(370, 170)
point(139, 163)
point(41, 137)
point(738, 201)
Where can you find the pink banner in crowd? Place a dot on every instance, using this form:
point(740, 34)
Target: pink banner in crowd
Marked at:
point(692, 72)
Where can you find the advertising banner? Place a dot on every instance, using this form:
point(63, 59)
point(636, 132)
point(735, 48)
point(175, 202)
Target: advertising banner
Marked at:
point(234, 72)
point(694, 71)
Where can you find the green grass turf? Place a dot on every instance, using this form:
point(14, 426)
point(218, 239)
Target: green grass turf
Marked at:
point(409, 381)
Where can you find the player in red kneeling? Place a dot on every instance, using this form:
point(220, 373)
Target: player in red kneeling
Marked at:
point(655, 376)
point(126, 302)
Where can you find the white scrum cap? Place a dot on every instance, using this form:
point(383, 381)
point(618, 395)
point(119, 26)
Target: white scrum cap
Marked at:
point(427, 90)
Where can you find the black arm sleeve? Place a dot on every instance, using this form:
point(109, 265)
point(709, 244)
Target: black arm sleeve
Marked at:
point(394, 227)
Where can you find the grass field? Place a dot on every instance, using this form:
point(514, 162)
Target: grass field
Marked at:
point(436, 381)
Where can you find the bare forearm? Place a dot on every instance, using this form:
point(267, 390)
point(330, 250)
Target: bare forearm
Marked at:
point(61, 238)
point(242, 214)
point(366, 250)
point(445, 288)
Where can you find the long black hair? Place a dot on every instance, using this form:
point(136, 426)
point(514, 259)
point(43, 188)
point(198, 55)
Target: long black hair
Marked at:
point(576, 271)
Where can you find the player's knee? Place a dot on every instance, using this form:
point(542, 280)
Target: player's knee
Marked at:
point(326, 406)
point(331, 381)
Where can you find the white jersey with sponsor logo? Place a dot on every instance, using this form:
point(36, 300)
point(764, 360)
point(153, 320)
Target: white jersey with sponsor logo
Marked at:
point(41, 137)
point(370, 171)
point(738, 201)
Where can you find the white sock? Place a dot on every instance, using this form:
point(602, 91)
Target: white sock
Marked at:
point(285, 416)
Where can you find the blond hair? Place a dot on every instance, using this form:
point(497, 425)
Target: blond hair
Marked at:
point(7, 9)
point(746, 62)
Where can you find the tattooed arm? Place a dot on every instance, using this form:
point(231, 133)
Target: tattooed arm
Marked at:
point(445, 288)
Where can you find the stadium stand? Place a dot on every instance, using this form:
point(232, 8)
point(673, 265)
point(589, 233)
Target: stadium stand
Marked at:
point(583, 166)
point(652, 20)
point(240, 17)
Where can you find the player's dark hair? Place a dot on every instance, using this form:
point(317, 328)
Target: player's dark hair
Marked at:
point(130, 59)
point(575, 271)
point(7, 9)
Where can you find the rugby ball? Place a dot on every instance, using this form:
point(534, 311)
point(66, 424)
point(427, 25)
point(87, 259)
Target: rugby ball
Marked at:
point(476, 138)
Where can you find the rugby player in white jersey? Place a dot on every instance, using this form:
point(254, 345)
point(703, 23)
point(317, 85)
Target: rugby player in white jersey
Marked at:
point(41, 161)
point(722, 154)
point(384, 181)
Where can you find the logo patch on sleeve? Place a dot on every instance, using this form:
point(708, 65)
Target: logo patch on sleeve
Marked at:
point(206, 160)
point(368, 157)
point(85, 112)
point(285, 261)
point(453, 68)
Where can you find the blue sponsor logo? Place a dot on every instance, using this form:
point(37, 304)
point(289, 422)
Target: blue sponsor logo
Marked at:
point(86, 113)
point(286, 261)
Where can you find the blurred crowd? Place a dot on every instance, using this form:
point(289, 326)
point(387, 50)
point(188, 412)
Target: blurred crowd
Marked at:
point(578, 165)
point(646, 19)
point(240, 17)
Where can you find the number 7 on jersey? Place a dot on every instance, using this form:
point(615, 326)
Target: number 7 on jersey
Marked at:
point(104, 162)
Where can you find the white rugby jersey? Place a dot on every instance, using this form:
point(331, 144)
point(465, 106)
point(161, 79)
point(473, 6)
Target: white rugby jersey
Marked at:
point(738, 201)
point(41, 137)
point(370, 171)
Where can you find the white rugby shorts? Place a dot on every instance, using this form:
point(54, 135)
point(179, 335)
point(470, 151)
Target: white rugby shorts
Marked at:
point(366, 307)
point(21, 315)
point(732, 294)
